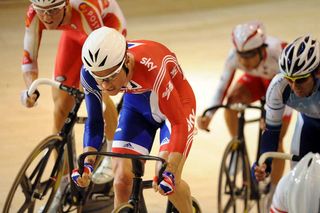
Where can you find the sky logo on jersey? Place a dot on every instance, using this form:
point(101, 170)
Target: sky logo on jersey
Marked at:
point(148, 63)
point(90, 15)
point(168, 91)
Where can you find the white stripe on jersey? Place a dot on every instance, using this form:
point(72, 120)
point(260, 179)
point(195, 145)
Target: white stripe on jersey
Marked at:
point(130, 146)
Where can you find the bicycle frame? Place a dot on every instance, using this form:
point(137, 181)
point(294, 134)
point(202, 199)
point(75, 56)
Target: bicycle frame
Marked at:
point(66, 133)
point(237, 147)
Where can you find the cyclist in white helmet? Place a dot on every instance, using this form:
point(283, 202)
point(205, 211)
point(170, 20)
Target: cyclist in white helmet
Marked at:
point(256, 54)
point(76, 19)
point(298, 191)
point(157, 96)
point(298, 87)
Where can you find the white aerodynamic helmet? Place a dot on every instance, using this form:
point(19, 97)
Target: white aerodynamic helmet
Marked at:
point(304, 184)
point(248, 36)
point(103, 49)
point(300, 57)
point(46, 3)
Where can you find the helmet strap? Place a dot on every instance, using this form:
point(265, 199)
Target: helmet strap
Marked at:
point(126, 69)
point(64, 15)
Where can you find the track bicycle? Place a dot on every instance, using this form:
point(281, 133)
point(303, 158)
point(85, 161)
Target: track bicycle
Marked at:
point(38, 180)
point(136, 203)
point(236, 188)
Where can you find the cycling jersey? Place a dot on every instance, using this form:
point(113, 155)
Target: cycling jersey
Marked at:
point(156, 70)
point(306, 133)
point(267, 68)
point(87, 15)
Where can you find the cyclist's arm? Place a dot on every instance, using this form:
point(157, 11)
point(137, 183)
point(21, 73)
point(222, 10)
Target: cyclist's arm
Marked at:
point(31, 43)
point(94, 126)
point(275, 107)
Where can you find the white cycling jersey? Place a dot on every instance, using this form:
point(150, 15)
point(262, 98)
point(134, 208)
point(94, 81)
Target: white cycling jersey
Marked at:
point(279, 94)
point(267, 69)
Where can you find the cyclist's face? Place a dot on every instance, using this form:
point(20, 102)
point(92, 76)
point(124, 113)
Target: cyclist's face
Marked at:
point(111, 80)
point(250, 60)
point(51, 16)
point(302, 87)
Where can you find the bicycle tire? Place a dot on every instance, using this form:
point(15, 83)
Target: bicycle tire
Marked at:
point(39, 164)
point(234, 180)
point(124, 208)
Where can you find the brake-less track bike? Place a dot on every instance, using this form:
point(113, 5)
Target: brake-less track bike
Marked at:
point(37, 182)
point(237, 191)
point(136, 203)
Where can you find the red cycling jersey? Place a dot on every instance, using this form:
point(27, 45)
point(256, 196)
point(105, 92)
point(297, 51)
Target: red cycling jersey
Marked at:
point(156, 69)
point(87, 15)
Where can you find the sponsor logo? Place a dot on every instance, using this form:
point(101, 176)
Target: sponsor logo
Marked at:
point(168, 91)
point(26, 57)
point(148, 63)
point(173, 72)
point(165, 141)
point(191, 120)
point(128, 145)
point(90, 15)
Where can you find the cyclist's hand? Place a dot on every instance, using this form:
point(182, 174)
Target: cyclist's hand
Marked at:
point(29, 101)
point(203, 122)
point(260, 171)
point(167, 185)
point(84, 180)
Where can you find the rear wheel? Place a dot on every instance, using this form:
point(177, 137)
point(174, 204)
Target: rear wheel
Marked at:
point(195, 207)
point(35, 185)
point(234, 180)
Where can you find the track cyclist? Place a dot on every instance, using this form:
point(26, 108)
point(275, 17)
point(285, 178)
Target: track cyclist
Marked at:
point(76, 19)
point(256, 54)
point(298, 87)
point(157, 96)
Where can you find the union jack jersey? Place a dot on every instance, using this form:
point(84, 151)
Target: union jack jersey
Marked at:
point(156, 69)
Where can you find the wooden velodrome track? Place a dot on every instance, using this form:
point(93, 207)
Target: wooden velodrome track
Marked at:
point(198, 31)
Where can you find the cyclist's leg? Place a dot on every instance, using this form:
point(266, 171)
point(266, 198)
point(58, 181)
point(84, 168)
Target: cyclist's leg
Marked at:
point(306, 136)
point(247, 90)
point(67, 71)
point(181, 198)
point(135, 136)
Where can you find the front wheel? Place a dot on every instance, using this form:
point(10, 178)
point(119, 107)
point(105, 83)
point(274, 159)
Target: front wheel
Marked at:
point(37, 181)
point(234, 179)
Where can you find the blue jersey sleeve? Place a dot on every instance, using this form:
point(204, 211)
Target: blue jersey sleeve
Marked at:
point(94, 127)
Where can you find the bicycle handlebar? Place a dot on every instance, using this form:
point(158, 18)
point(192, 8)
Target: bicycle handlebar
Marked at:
point(41, 81)
point(128, 156)
point(237, 107)
point(278, 155)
